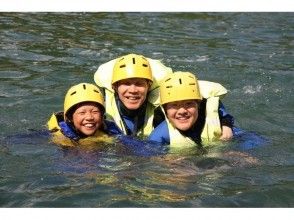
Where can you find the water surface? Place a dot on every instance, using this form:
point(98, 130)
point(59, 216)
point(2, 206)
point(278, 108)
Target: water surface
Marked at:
point(251, 54)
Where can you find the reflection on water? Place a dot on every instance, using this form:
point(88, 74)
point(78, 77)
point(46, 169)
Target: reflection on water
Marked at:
point(251, 54)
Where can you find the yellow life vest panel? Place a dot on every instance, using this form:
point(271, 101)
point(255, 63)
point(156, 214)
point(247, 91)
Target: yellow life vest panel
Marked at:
point(90, 142)
point(103, 78)
point(178, 142)
point(212, 128)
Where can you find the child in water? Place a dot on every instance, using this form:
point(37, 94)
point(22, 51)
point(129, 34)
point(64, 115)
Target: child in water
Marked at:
point(82, 124)
point(191, 111)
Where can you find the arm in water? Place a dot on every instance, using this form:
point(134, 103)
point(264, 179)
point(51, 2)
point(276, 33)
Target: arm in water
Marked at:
point(135, 146)
point(247, 140)
point(144, 148)
point(131, 144)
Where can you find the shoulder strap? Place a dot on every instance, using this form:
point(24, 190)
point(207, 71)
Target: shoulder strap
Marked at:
point(211, 89)
point(213, 92)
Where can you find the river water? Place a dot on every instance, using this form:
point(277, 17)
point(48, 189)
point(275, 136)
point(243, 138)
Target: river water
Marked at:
point(251, 54)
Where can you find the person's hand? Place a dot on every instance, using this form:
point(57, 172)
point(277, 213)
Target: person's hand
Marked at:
point(227, 133)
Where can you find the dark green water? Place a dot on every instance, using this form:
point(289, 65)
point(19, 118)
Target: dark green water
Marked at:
point(251, 54)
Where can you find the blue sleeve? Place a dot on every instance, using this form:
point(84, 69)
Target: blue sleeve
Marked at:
point(222, 110)
point(111, 128)
point(160, 134)
point(142, 148)
point(225, 118)
point(248, 140)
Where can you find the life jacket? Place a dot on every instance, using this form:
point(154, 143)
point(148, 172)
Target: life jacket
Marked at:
point(212, 127)
point(103, 78)
point(63, 134)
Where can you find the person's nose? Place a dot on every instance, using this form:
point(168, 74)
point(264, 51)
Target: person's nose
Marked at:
point(133, 88)
point(89, 116)
point(182, 110)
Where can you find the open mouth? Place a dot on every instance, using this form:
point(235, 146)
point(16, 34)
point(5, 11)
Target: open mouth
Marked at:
point(133, 99)
point(183, 118)
point(89, 125)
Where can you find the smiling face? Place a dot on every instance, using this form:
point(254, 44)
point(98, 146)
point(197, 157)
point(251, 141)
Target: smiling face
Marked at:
point(132, 92)
point(87, 118)
point(182, 114)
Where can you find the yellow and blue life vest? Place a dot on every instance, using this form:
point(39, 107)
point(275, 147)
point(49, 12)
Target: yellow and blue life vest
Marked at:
point(65, 135)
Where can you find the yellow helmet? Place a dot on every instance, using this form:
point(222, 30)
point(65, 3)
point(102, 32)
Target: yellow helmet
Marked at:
point(179, 86)
point(83, 92)
point(131, 66)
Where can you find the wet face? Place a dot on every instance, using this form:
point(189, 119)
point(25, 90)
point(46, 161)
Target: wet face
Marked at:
point(182, 114)
point(87, 118)
point(132, 92)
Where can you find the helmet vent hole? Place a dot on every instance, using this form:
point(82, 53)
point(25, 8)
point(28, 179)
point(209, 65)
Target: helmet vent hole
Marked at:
point(145, 65)
point(192, 84)
point(73, 93)
point(180, 80)
point(84, 86)
point(122, 66)
point(168, 87)
point(134, 61)
point(96, 91)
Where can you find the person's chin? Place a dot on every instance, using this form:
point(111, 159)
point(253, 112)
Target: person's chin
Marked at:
point(88, 132)
point(183, 127)
point(133, 106)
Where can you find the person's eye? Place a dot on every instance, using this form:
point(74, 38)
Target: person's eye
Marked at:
point(190, 104)
point(139, 84)
point(127, 83)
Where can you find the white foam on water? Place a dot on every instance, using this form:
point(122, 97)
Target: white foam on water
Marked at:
point(252, 89)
